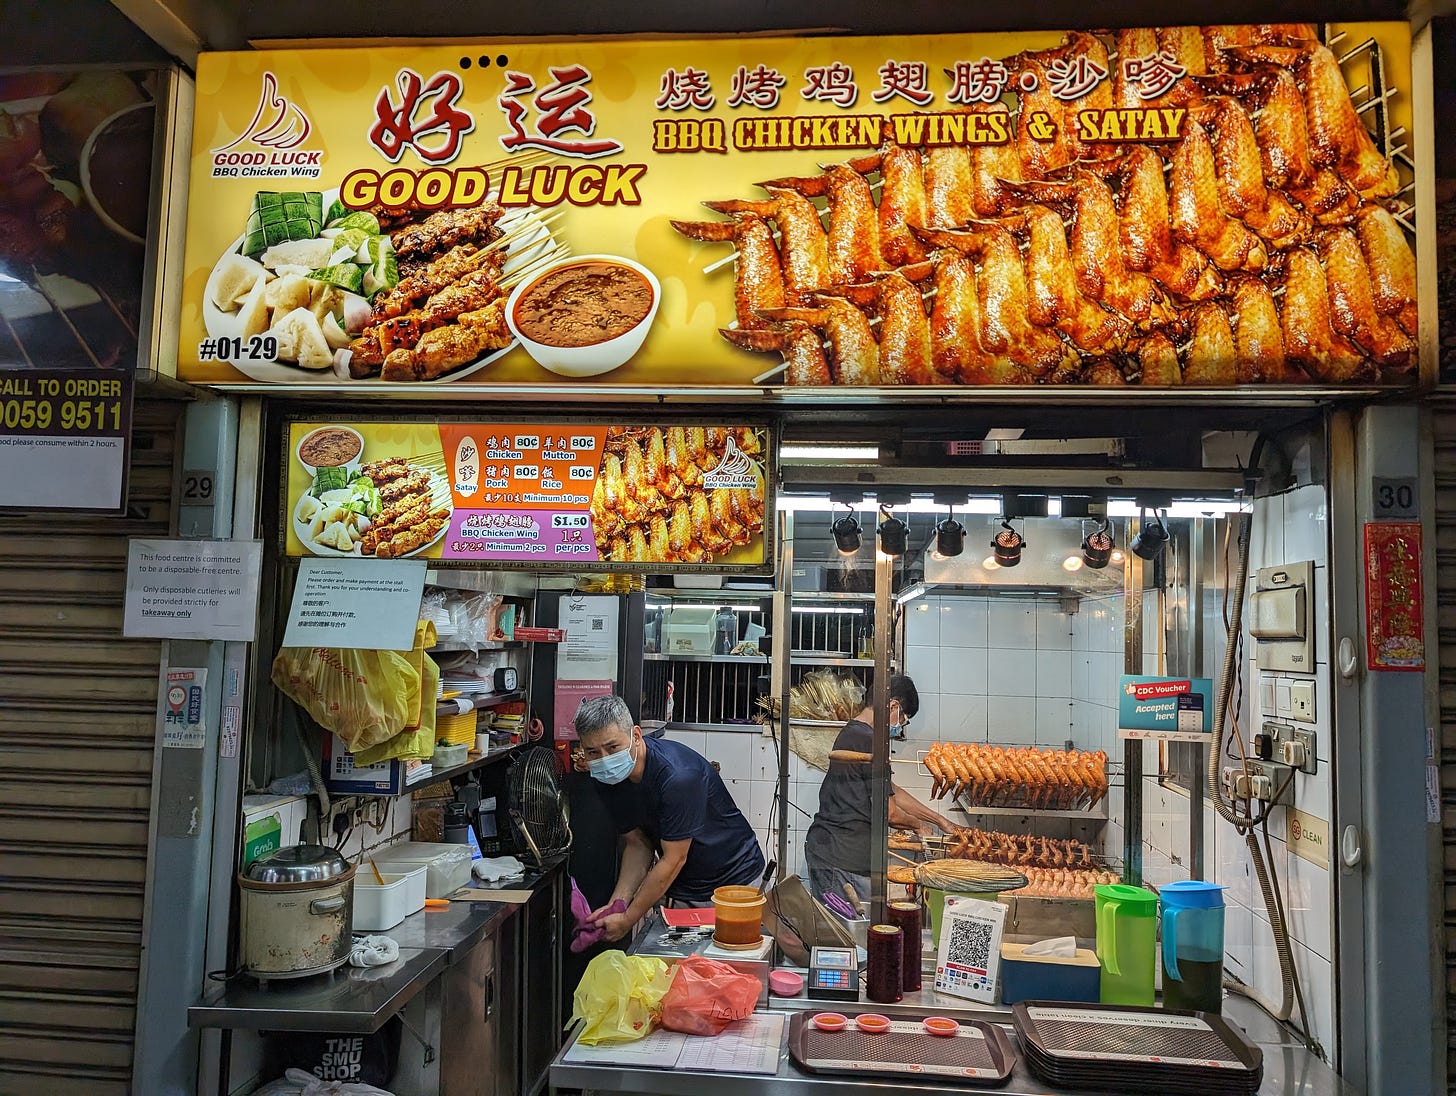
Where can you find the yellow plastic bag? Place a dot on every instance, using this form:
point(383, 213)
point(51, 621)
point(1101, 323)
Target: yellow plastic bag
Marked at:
point(364, 697)
point(418, 739)
point(620, 997)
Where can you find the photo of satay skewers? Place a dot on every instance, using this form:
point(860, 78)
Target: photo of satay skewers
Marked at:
point(1266, 242)
point(652, 503)
point(1000, 776)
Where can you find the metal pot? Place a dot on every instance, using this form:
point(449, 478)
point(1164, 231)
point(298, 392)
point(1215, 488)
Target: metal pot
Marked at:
point(297, 913)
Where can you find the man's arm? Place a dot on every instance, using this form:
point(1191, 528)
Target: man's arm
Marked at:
point(636, 861)
point(907, 812)
point(650, 892)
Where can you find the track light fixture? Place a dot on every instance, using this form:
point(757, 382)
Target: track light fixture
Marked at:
point(1007, 545)
point(848, 536)
point(1097, 547)
point(950, 537)
point(1151, 538)
point(894, 534)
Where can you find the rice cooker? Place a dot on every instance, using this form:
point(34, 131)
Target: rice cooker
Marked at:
point(297, 913)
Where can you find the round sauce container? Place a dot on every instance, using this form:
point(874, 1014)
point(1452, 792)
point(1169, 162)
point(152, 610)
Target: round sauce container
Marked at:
point(872, 1023)
point(583, 304)
point(941, 1025)
point(830, 1021)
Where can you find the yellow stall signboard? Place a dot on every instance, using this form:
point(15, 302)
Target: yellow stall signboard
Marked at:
point(1195, 206)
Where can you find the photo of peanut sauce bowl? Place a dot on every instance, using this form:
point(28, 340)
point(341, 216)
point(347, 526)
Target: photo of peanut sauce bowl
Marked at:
point(586, 315)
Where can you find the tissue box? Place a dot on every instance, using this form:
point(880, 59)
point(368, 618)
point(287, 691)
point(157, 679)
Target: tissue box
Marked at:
point(1045, 978)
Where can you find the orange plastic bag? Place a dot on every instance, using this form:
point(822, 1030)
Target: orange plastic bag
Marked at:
point(707, 995)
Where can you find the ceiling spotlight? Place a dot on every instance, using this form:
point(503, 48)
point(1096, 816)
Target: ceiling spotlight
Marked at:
point(1072, 563)
point(847, 534)
point(894, 534)
point(1007, 545)
point(1151, 539)
point(1097, 547)
point(950, 538)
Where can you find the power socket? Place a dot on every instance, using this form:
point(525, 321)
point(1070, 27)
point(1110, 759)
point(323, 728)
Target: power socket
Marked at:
point(1271, 782)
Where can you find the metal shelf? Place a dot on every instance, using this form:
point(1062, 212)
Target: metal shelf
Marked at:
point(485, 699)
point(828, 660)
point(838, 595)
point(1096, 814)
point(744, 728)
point(750, 660)
point(712, 594)
point(466, 767)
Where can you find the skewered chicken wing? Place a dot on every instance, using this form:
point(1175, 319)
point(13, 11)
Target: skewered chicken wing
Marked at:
point(902, 202)
point(1309, 337)
point(1055, 300)
point(1147, 235)
point(801, 346)
point(1001, 286)
point(1240, 173)
point(1352, 304)
point(854, 235)
point(855, 355)
point(955, 326)
point(1392, 266)
point(1159, 360)
point(758, 279)
point(1211, 356)
point(1198, 219)
point(1258, 340)
point(803, 247)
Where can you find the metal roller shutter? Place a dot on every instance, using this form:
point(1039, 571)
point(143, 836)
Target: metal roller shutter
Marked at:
point(77, 721)
point(1445, 458)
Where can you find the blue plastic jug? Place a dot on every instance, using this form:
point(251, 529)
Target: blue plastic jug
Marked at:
point(1192, 945)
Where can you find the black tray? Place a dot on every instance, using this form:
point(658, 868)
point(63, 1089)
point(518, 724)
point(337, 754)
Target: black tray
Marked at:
point(1147, 1049)
point(980, 1053)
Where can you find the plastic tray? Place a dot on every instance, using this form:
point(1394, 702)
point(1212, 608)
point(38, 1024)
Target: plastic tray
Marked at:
point(979, 1052)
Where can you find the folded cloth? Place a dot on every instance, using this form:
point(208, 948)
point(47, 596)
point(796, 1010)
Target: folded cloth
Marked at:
point(587, 932)
point(489, 869)
point(373, 951)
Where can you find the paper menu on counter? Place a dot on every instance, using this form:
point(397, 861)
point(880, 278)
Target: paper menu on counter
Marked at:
point(749, 1046)
point(753, 1045)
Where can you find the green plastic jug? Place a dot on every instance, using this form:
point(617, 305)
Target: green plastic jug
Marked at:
point(1127, 945)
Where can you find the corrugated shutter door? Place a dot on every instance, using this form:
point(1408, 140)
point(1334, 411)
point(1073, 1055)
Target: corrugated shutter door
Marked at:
point(1445, 436)
point(77, 720)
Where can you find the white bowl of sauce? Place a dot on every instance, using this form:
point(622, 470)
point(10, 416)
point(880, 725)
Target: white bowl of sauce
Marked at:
point(331, 446)
point(586, 315)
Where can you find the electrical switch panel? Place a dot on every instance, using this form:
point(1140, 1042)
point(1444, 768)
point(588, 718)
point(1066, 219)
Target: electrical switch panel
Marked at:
point(1281, 617)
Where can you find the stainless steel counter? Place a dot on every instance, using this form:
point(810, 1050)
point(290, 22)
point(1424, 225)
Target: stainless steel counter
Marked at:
point(350, 999)
point(1289, 1070)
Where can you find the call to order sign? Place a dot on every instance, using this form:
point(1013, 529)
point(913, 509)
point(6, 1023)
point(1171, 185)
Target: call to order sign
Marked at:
point(64, 439)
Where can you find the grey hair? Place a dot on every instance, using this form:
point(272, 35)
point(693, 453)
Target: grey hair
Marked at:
point(600, 713)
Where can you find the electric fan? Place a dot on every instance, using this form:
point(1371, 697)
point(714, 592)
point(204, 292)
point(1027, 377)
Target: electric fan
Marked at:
point(538, 807)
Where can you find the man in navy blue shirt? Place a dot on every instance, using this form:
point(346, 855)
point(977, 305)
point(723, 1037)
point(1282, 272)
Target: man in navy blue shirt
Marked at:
point(682, 836)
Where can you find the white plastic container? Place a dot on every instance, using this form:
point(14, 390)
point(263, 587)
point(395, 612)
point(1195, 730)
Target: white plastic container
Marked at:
point(379, 908)
point(449, 865)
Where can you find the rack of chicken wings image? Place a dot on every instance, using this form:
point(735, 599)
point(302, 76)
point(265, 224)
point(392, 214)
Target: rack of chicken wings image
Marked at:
point(1265, 243)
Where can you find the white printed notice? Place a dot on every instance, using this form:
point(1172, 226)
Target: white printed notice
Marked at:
point(357, 604)
point(192, 589)
point(182, 727)
point(590, 650)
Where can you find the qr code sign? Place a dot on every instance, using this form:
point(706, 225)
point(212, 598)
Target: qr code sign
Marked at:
point(970, 944)
point(970, 948)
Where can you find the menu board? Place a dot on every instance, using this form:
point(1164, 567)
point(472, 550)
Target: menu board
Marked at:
point(1180, 206)
point(541, 496)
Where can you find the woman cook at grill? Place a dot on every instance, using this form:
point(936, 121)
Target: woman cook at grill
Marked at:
point(669, 804)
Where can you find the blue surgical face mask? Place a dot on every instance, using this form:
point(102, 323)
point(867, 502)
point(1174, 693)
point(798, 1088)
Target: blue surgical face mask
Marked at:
point(613, 768)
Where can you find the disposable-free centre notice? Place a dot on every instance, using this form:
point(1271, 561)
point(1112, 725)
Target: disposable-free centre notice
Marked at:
point(193, 589)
